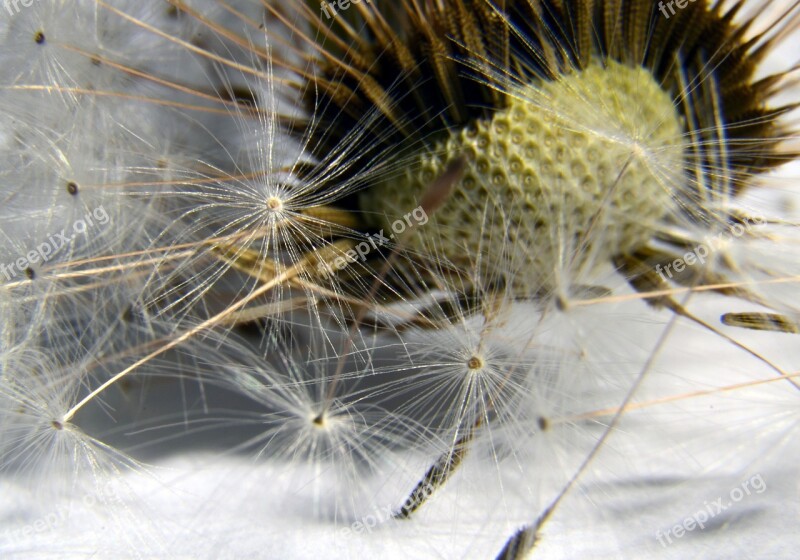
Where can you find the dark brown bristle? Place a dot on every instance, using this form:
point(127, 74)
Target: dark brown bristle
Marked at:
point(241, 96)
point(419, 69)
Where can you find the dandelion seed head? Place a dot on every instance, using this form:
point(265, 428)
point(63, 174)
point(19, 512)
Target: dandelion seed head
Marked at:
point(593, 146)
point(475, 362)
point(274, 203)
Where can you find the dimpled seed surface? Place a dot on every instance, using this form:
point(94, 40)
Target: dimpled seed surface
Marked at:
point(603, 145)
